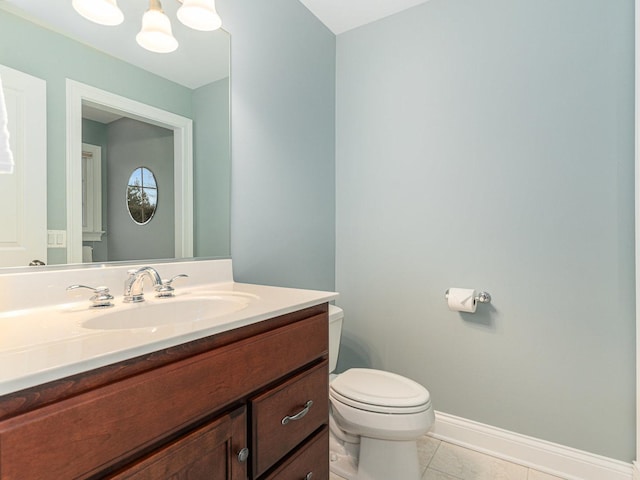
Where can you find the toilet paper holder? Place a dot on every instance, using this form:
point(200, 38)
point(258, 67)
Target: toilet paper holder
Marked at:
point(481, 297)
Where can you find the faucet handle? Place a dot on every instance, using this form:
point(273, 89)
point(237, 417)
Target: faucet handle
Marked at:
point(165, 289)
point(101, 298)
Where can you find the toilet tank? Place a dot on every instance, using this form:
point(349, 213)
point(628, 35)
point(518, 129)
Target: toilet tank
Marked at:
point(335, 330)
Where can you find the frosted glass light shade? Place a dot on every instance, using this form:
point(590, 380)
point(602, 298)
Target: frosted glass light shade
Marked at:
point(156, 35)
point(103, 12)
point(199, 15)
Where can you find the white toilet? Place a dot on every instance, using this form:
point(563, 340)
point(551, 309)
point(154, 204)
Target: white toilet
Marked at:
point(376, 418)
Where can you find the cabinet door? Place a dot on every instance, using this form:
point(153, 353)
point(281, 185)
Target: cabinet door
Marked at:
point(207, 453)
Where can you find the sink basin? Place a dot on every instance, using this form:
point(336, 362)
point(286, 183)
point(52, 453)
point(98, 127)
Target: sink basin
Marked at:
point(170, 311)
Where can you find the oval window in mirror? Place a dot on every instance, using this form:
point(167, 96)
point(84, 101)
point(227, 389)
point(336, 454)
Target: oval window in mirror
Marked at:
point(142, 195)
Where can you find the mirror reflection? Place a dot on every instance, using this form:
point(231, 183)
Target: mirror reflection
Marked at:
point(142, 195)
point(131, 134)
point(53, 43)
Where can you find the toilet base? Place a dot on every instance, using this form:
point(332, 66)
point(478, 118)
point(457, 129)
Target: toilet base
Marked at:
point(374, 459)
point(343, 457)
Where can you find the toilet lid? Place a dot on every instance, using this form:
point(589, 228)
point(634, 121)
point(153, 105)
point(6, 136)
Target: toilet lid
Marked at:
point(380, 389)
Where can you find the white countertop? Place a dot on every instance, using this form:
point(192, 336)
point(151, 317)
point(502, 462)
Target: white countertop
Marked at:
point(49, 342)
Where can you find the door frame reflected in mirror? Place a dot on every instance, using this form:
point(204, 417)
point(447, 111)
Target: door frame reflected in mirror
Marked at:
point(182, 127)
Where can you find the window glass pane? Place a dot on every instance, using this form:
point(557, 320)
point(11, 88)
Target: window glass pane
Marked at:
point(136, 177)
point(142, 195)
point(148, 180)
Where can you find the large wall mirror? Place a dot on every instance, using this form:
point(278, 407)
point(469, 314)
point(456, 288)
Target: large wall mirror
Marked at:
point(49, 40)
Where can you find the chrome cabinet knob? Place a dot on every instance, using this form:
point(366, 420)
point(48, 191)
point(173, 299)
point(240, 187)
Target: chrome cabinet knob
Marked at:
point(243, 455)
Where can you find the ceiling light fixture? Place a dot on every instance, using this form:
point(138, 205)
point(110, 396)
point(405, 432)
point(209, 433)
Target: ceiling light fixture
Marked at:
point(156, 34)
point(199, 15)
point(104, 12)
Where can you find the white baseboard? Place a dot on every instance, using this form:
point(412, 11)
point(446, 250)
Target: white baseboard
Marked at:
point(636, 471)
point(565, 462)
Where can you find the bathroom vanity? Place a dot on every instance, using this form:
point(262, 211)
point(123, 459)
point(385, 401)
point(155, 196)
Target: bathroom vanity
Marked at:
point(248, 401)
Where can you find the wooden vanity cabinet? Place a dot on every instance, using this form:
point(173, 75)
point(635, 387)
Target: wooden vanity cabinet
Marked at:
point(183, 413)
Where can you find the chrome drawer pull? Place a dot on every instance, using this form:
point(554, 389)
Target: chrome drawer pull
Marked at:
point(308, 476)
point(298, 415)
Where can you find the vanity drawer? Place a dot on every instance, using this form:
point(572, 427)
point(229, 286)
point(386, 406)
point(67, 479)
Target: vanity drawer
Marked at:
point(309, 461)
point(287, 414)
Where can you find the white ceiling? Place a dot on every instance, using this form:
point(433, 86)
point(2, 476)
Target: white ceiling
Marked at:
point(342, 15)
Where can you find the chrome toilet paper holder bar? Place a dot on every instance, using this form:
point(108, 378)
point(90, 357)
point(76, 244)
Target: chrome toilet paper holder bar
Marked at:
point(481, 297)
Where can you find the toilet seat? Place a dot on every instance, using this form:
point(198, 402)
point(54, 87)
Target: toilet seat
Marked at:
point(379, 391)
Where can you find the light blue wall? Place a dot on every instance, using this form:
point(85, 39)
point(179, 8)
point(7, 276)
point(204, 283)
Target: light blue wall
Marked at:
point(283, 106)
point(489, 144)
point(133, 144)
point(212, 170)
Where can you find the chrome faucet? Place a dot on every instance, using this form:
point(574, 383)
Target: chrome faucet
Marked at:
point(133, 284)
point(101, 297)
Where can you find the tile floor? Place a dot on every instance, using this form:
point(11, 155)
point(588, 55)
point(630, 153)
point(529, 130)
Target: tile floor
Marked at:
point(444, 461)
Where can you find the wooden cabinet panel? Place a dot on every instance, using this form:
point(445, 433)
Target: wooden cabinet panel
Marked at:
point(272, 438)
point(81, 436)
point(208, 453)
point(310, 461)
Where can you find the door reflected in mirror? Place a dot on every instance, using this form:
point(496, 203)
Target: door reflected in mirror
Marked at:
point(142, 195)
point(91, 192)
